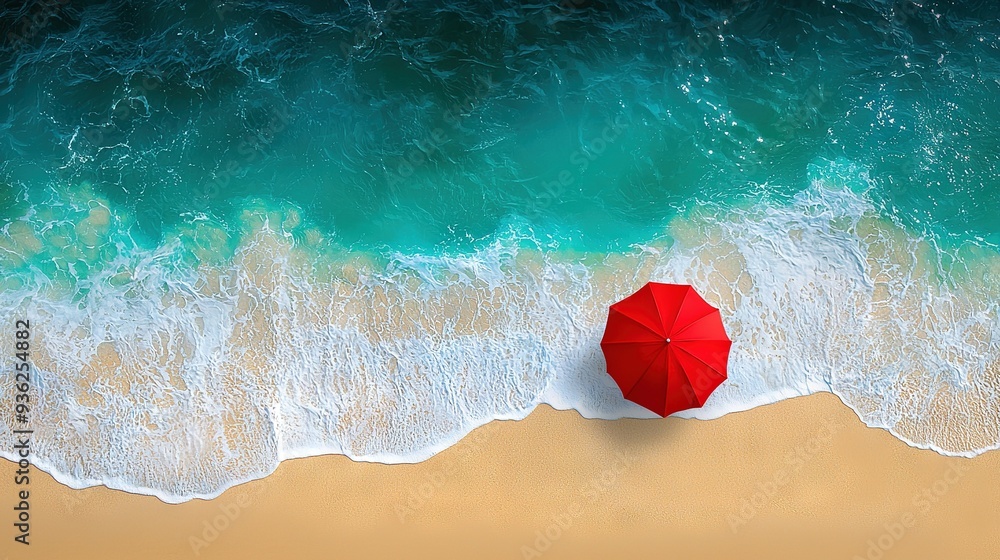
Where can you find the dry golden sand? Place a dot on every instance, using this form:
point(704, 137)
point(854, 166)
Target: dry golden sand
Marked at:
point(676, 494)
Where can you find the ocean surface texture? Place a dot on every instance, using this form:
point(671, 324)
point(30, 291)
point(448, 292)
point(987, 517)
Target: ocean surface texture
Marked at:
point(245, 231)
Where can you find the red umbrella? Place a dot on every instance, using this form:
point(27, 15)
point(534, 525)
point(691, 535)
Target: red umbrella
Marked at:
point(666, 347)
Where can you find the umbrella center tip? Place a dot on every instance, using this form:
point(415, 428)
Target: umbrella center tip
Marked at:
point(668, 340)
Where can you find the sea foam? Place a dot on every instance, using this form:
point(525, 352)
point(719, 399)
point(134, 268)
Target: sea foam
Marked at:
point(182, 370)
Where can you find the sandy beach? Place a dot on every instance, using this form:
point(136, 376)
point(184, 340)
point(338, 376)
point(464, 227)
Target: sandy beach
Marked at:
point(802, 478)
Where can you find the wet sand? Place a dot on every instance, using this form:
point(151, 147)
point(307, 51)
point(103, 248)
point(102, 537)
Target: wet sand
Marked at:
point(802, 478)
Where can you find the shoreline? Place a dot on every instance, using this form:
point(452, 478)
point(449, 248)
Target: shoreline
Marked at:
point(690, 414)
point(802, 476)
point(148, 369)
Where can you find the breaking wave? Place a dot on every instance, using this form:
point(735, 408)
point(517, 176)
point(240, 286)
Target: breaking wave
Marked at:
point(182, 369)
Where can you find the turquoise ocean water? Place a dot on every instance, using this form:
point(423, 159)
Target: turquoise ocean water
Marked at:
point(248, 231)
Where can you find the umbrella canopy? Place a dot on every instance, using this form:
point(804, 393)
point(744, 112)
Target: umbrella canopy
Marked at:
point(666, 347)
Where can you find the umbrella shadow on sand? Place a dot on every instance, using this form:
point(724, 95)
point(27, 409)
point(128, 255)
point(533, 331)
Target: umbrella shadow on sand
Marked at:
point(640, 434)
point(634, 434)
